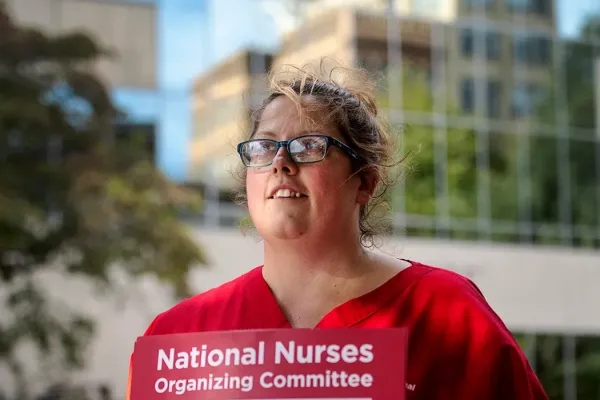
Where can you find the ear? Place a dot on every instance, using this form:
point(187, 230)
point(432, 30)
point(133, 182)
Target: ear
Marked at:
point(366, 189)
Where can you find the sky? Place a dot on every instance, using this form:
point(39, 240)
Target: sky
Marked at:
point(195, 34)
point(189, 42)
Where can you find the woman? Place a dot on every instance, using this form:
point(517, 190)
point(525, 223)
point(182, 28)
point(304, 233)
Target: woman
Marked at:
point(316, 160)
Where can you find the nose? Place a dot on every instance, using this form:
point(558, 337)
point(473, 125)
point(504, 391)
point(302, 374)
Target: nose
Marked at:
point(283, 163)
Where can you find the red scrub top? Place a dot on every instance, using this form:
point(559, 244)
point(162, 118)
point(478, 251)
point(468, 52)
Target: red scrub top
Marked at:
point(458, 347)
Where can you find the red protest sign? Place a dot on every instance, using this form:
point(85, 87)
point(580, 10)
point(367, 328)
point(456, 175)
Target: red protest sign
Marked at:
point(272, 364)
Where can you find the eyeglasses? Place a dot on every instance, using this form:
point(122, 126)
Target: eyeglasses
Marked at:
point(303, 150)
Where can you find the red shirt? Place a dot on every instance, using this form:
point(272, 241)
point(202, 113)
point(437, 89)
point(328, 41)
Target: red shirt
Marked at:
point(458, 347)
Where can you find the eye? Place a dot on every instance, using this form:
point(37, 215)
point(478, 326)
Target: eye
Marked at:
point(308, 143)
point(311, 148)
point(258, 152)
point(260, 147)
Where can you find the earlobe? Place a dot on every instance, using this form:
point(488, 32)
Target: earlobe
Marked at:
point(368, 184)
point(363, 198)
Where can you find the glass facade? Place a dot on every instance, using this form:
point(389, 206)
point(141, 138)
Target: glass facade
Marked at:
point(520, 160)
point(524, 95)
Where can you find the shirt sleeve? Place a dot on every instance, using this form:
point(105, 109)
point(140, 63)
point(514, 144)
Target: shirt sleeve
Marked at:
point(516, 379)
point(470, 353)
point(148, 332)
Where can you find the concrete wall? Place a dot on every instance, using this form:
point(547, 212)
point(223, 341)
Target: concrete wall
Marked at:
point(129, 29)
point(532, 289)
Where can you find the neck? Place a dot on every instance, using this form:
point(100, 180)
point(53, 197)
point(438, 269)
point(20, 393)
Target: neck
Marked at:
point(310, 259)
point(310, 277)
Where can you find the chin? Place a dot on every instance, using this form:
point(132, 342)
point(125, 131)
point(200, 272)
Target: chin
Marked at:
point(284, 231)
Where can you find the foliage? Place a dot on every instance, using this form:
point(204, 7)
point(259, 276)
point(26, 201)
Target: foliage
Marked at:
point(76, 199)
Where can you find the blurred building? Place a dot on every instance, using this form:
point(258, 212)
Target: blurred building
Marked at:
point(492, 69)
point(440, 10)
point(495, 54)
point(354, 38)
point(125, 28)
point(222, 98)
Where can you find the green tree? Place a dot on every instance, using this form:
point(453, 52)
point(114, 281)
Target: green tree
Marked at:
point(75, 199)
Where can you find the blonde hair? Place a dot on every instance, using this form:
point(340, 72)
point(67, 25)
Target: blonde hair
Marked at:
point(347, 98)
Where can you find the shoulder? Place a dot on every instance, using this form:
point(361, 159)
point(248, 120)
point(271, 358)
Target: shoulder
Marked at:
point(429, 275)
point(198, 312)
point(446, 288)
point(456, 333)
point(455, 304)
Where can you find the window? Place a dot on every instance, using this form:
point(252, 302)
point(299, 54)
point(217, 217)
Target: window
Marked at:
point(493, 94)
point(468, 95)
point(466, 42)
point(540, 7)
point(525, 99)
point(493, 45)
point(494, 99)
point(469, 45)
point(424, 7)
point(518, 5)
point(474, 4)
point(532, 49)
point(543, 7)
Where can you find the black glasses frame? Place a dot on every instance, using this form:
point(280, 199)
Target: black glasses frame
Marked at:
point(329, 141)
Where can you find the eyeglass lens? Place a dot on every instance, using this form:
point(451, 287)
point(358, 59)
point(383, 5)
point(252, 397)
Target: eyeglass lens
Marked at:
point(302, 150)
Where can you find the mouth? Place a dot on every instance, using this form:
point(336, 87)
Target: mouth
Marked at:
point(287, 194)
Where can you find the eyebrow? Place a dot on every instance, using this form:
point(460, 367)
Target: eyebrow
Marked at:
point(271, 134)
point(267, 134)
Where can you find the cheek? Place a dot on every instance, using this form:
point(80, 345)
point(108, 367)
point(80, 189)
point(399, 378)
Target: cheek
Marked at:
point(255, 187)
point(327, 184)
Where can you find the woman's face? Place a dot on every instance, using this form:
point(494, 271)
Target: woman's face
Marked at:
point(330, 196)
